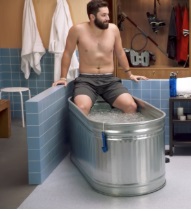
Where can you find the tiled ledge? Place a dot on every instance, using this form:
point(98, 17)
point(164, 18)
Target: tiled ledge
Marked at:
point(46, 119)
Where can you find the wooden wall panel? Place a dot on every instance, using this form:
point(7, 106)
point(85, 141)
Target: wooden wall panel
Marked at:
point(78, 10)
point(10, 23)
point(44, 12)
point(11, 12)
point(136, 11)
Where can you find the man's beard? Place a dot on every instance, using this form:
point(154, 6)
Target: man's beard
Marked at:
point(100, 24)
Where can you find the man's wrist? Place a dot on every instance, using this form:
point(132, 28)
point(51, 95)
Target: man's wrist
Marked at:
point(129, 73)
point(63, 79)
point(126, 71)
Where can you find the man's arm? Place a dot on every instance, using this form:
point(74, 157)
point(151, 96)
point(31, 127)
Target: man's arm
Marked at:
point(71, 42)
point(122, 58)
point(120, 53)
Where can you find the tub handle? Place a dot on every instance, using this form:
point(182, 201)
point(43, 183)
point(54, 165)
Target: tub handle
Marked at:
point(104, 140)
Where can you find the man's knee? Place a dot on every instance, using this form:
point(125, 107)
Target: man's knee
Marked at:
point(132, 107)
point(83, 104)
point(126, 103)
point(84, 108)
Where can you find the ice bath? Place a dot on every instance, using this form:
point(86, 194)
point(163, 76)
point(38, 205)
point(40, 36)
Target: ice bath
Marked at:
point(119, 157)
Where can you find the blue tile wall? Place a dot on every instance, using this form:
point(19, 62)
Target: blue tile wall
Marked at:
point(12, 76)
point(47, 137)
point(155, 92)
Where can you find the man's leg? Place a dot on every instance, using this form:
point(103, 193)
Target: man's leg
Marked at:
point(125, 103)
point(84, 103)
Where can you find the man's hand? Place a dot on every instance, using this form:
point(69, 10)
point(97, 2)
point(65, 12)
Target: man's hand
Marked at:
point(137, 77)
point(60, 82)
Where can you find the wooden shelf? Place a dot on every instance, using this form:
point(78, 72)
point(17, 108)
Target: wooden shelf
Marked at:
point(177, 139)
point(181, 121)
point(180, 98)
point(182, 138)
point(5, 119)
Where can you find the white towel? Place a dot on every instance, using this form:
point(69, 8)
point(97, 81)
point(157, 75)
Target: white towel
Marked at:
point(183, 86)
point(61, 23)
point(32, 47)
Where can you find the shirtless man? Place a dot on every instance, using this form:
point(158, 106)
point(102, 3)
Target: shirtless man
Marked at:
point(97, 40)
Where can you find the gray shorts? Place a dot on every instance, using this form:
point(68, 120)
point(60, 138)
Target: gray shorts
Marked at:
point(107, 86)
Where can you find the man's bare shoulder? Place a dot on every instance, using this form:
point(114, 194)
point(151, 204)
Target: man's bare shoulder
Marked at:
point(79, 26)
point(113, 26)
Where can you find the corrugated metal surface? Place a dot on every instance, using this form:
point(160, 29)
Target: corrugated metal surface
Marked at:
point(134, 163)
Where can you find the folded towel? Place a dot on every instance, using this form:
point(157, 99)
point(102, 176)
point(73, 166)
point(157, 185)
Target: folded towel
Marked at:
point(183, 86)
point(32, 47)
point(61, 23)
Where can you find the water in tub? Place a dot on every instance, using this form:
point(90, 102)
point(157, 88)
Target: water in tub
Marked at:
point(107, 114)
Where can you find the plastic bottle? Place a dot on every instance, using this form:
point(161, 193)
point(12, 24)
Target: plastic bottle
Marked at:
point(172, 84)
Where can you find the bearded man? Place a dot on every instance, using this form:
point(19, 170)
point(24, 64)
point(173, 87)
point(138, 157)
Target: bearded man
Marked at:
point(97, 41)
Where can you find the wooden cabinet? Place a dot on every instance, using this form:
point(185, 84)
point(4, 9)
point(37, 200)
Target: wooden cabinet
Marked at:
point(179, 131)
point(136, 10)
point(5, 119)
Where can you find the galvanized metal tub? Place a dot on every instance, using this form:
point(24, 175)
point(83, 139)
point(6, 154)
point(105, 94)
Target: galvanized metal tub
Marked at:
point(130, 161)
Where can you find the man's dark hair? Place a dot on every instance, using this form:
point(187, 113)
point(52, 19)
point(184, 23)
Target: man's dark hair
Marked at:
point(94, 5)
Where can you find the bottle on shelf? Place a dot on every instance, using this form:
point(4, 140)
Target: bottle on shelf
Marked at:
point(172, 84)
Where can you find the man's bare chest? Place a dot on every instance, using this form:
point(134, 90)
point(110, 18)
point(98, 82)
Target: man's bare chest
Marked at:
point(103, 44)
